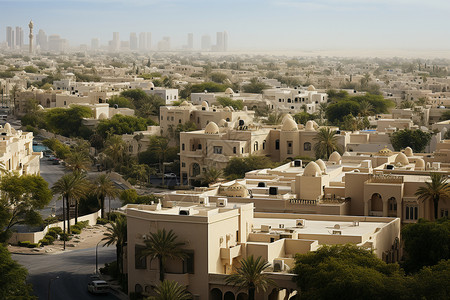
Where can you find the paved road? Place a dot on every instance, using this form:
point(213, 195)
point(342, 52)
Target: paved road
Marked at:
point(73, 268)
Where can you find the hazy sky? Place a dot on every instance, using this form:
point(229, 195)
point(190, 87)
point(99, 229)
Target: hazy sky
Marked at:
point(251, 24)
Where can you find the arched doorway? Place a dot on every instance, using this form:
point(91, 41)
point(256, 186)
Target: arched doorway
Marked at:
point(392, 207)
point(242, 296)
point(215, 294)
point(228, 296)
point(376, 203)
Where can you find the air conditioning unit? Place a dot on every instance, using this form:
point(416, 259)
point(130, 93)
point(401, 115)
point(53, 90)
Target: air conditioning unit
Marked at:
point(281, 226)
point(265, 228)
point(297, 163)
point(355, 223)
point(337, 232)
point(185, 212)
point(222, 202)
point(204, 200)
point(300, 223)
point(389, 167)
point(278, 265)
point(436, 165)
point(261, 184)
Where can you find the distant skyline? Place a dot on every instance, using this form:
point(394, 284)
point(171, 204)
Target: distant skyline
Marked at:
point(251, 25)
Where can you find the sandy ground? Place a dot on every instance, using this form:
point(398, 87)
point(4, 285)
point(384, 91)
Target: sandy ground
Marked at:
point(88, 238)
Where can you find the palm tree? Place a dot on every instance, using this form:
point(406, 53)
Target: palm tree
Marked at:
point(171, 290)
point(434, 190)
point(115, 148)
point(210, 175)
point(104, 187)
point(250, 275)
point(163, 245)
point(326, 143)
point(365, 108)
point(72, 186)
point(274, 118)
point(138, 137)
point(117, 234)
point(407, 104)
point(78, 161)
point(160, 146)
point(322, 111)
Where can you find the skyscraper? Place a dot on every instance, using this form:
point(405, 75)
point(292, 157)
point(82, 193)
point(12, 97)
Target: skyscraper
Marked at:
point(94, 44)
point(149, 40)
point(142, 42)
point(133, 41)
point(41, 40)
point(206, 42)
point(219, 41)
point(10, 37)
point(190, 41)
point(115, 43)
point(225, 41)
point(19, 37)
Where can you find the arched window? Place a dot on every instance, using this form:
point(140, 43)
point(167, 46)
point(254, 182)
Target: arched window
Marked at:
point(255, 146)
point(138, 288)
point(264, 144)
point(277, 144)
point(195, 170)
point(307, 146)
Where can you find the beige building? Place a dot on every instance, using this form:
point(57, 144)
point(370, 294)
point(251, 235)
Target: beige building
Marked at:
point(16, 151)
point(140, 140)
point(217, 234)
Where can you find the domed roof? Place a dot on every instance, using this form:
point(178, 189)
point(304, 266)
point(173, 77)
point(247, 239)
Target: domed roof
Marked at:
point(385, 152)
point(420, 163)
point(311, 88)
point(212, 128)
point(40, 107)
point(408, 152)
point(309, 126)
point(205, 104)
point(102, 116)
point(7, 128)
point(236, 190)
point(150, 84)
point(335, 157)
point(226, 108)
point(287, 116)
point(312, 170)
point(346, 154)
point(222, 123)
point(401, 159)
point(321, 164)
point(184, 103)
point(229, 91)
point(289, 125)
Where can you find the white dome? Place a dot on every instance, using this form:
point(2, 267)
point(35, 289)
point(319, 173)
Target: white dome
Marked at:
point(289, 125)
point(420, 163)
point(184, 103)
point(401, 159)
point(205, 104)
point(102, 116)
point(312, 170)
point(335, 157)
point(212, 128)
point(229, 91)
point(222, 123)
point(408, 152)
point(309, 126)
point(226, 108)
point(311, 88)
point(150, 85)
point(346, 154)
point(286, 117)
point(321, 164)
point(8, 128)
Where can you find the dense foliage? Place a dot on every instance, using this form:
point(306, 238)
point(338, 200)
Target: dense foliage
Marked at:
point(416, 139)
point(120, 124)
point(238, 166)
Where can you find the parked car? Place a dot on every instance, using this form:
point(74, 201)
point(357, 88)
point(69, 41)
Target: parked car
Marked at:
point(170, 175)
point(98, 287)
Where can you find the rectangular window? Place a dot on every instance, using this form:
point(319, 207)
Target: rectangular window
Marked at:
point(218, 149)
point(183, 165)
point(234, 150)
point(188, 263)
point(140, 262)
point(182, 147)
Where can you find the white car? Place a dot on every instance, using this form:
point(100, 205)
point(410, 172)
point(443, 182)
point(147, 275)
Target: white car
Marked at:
point(98, 287)
point(170, 175)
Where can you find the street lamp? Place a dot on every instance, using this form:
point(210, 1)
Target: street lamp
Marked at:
point(50, 285)
point(96, 257)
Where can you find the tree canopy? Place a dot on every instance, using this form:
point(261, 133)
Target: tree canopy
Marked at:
point(120, 124)
point(416, 139)
point(254, 86)
point(226, 101)
point(67, 121)
point(238, 166)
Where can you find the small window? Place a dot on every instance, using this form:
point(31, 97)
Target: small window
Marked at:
point(183, 165)
point(307, 146)
point(171, 118)
point(234, 150)
point(199, 146)
point(217, 149)
point(179, 121)
point(182, 147)
point(188, 262)
point(277, 144)
point(140, 262)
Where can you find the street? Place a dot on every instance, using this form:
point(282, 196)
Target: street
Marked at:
point(73, 269)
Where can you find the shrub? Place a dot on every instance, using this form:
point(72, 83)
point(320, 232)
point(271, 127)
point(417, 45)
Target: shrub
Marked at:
point(64, 237)
point(50, 238)
point(102, 221)
point(75, 230)
point(24, 243)
point(82, 224)
point(33, 245)
point(58, 230)
point(50, 220)
point(44, 242)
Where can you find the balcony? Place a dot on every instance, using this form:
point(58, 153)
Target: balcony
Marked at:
point(182, 279)
point(229, 253)
point(193, 154)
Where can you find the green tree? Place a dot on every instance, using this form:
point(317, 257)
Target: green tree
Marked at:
point(61, 150)
point(13, 278)
point(416, 139)
point(72, 187)
point(250, 275)
point(21, 198)
point(120, 102)
point(67, 121)
point(78, 161)
point(210, 175)
point(160, 146)
point(121, 124)
point(254, 86)
point(350, 272)
point(338, 110)
point(274, 118)
point(434, 191)
point(116, 233)
point(303, 117)
point(225, 101)
point(104, 187)
point(365, 108)
point(218, 77)
point(170, 290)
point(163, 245)
point(31, 69)
point(436, 237)
point(432, 282)
point(326, 143)
point(238, 166)
point(115, 149)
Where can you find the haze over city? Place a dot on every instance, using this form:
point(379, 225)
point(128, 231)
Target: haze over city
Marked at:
point(329, 26)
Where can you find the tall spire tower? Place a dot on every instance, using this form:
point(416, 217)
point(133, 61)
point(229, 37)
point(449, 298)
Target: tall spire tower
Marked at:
point(30, 25)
